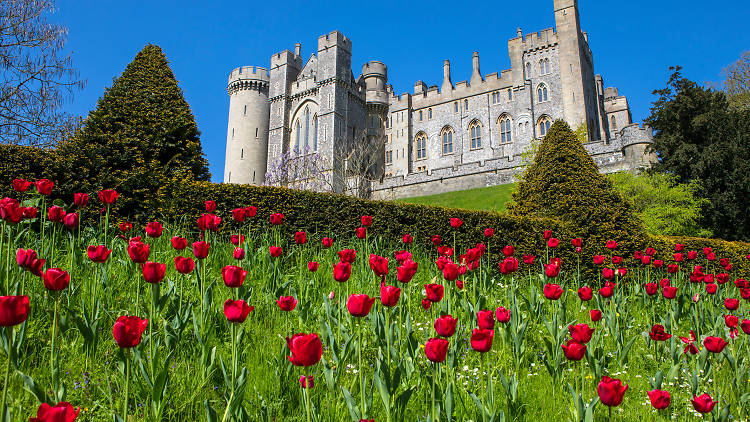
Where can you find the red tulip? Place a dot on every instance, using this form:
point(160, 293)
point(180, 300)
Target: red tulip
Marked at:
point(306, 381)
point(732, 304)
point(179, 243)
point(237, 310)
point(312, 266)
point(276, 218)
point(208, 222)
point(745, 325)
point(445, 326)
point(426, 304)
point(153, 272)
point(611, 245)
point(553, 242)
point(435, 239)
point(450, 271)
point(703, 403)
point(574, 350)
point(29, 213)
point(287, 303)
point(80, 199)
point(108, 196)
point(607, 291)
point(459, 284)
point(379, 265)
point(651, 288)
point(200, 249)
point(434, 292)
point(406, 271)
point(509, 265)
point(486, 320)
point(679, 247)
point(44, 186)
point(502, 315)
point(184, 265)
point(306, 349)
point(360, 232)
point(658, 263)
point(359, 305)
point(56, 214)
point(660, 399)
point(366, 220)
point(711, 288)
point(528, 259)
point(456, 223)
point(547, 234)
point(585, 293)
point(21, 185)
point(275, 251)
point(127, 331)
point(237, 239)
point(98, 253)
point(210, 206)
point(250, 211)
point(71, 220)
point(347, 255)
point(577, 242)
point(436, 349)
point(691, 255)
point(233, 275)
point(481, 340)
point(154, 229)
point(238, 215)
point(25, 258)
point(714, 344)
point(669, 292)
point(731, 321)
point(125, 226)
point(509, 250)
point(300, 238)
point(13, 310)
point(552, 291)
point(657, 333)
point(55, 279)
point(342, 271)
point(138, 252)
point(61, 412)
point(596, 315)
point(611, 391)
point(551, 270)
point(580, 333)
point(407, 239)
point(239, 253)
point(389, 295)
point(327, 242)
point(599, 259)
point(489, 232)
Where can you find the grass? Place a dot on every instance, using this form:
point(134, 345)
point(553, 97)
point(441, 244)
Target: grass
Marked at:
point(492, 198)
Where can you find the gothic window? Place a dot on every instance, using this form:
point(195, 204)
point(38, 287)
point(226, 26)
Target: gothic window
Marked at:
point(505, 125)
point(315, 132)
point(455, 106)
point(544, 124)
point(541, 93)
point(613, 123)
point(298, 129)
point(466, 105)
point(429, 113)
point(510, 94)
point(475, 132)
point(307, 129)
point(546, 66)
point(420, 115)
point(541, 67)
point(528, 70)
point(388, 157)
point(421, 142)
point(447, 137)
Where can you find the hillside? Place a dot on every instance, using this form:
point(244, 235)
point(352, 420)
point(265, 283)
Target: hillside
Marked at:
point(491, 198)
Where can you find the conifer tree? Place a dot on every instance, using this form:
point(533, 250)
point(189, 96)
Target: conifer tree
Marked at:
point(563, 182)
point(141, 134)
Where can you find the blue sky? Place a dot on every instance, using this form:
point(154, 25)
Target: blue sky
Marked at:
point(633, 42)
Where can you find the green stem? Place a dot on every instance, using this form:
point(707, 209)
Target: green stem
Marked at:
point(307, 397)
point(7, 375)
point(360, 371)
point(52, 359)
point(434, 375)
point(127, 386)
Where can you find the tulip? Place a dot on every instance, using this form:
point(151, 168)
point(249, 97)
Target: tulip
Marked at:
point(342, 271)
point(426, 304)
point(611, 245)
point(580, 333)
point(71, 220)
point(184, 265)
point(56, 214)
point(456, 223)
point(237, 239)
point(238, 215)
point(657, 333)
point(128, 330)
point(306, 349)
point(407, 239)
point(691, 255)
point(366, 220)
point(679, 247)
point(98, 254)
point(703, 403)
point(233, 275)
point(651, 288)
point(347, 255)
point(445, 326)
point(276, 219)
point(61, 412)
point(327, 242)
point(745, 325)
point(459, 284)
point(359, 305)
point(509, 250)
point(436, 349)
point(450, 271)
point(108, 196)
point(434, 292)
point(547, 234)
point(44, 186)
point(596, 315)
point(200, 249)
point(611, 391)
point(360, 232)
point(714, 344)
point(731, 304)
point(577, 242)
point(208, 222)
point(154, 229)
point(13, 310)
point(486, 320)
point(711, 288)
point(125, 226)
point(528, 259)
point(210, 206)
point(29, 213)
point(599, 259)
point(138, 252)
point(574, 350)
point(312, 266)
point(275, 251)
point(585, 293)
point(306, 381)
point(502, 315)
point(731, 321)
point(669, 292)
point(660, 399)
point(406, 271)
point(435, 239)
point(287, 303)
point(300, 238)
point(153, 272)
point(179, 243)
point(237, 310)
point(481, 339)
point(239, 253)
point(250, 211)
point(379, 265)
point(389, 295)
point(607, 291)
point(552, 291)
point(509, 265)
point(25, 258)
point(55, 279)
point(553, 242)
point(21, 185)
point(489, 232)
point(551, 270)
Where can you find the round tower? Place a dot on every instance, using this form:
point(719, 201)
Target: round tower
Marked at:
point(247, 132)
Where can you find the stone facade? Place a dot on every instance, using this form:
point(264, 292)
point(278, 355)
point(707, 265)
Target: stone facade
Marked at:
point(459, 136)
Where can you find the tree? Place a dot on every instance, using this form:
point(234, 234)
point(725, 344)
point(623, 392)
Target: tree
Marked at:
point(564, 183)
point(737, 81)
point(665, 206)
point(699, 136)
point(36, 78)
point(141, 134)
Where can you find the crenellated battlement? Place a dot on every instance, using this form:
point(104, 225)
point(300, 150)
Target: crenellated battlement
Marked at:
point(334, 39)
point(534, 40)
point(248, 73)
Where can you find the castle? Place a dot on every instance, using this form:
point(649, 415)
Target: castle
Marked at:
point(306, 121)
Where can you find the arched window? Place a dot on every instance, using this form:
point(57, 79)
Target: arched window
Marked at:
point(429, 113)
point(505, 125)
point(541, 93)
point(298, 128)
point(546, 66)
point(544, 124)
point(421, 146)
point(510, 94)
point(420, 115)
point(528, 70)
point(475, 134)
point(315, 132)
point(613, 123)
point(541, 67)
point(447, 137)
point(466, 105)
point(307, 129)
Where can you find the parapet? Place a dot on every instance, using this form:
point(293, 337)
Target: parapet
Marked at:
point(636, 134)
point(334, 39)
point(250, 73)
point(610, 92)
point(535, 40)
point(374, 68)
point(282, 58)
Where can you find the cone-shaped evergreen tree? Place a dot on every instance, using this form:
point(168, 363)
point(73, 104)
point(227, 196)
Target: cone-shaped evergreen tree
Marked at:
point(564, 183)
point(141, 133)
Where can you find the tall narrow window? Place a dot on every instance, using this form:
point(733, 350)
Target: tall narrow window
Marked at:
point(244, 112)
point(429, 113)
point(466, 105)
point(232, 133)
point(546, 67)
point(541, 67)
point(307, 129)
point(253, 176)
point(613, 123)
point(455, 106)
point(420, 115)
point(510, 94)
point(544, 124)
point(447, 138)
point(242, 154)
point(388, 157)
point(256, 133)
point(475, 132)
point(421, 146)
point(528, 70)
point(296, 141)
point(505, 129)
point(315, 132)
point(541, 92)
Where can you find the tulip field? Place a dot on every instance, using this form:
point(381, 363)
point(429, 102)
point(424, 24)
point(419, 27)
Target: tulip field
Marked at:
point(176, 320)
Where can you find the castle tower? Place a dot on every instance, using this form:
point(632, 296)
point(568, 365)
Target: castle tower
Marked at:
point(247, 132)
point(375, 75)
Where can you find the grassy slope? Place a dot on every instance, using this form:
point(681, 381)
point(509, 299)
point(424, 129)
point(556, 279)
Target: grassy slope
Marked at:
point(491, 198)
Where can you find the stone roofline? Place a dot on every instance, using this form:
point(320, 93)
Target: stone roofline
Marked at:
point(249, 73)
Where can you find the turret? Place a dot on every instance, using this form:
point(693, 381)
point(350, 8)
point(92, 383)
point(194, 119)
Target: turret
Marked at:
point(247, 132)
point(375, 75)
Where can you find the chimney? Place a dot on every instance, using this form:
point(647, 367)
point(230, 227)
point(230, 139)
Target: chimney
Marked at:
point(476, 77)
point(447, 84)
point(297, 50)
